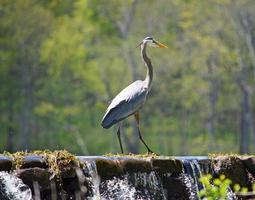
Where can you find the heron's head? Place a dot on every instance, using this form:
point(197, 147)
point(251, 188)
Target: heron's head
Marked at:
point(153, 43)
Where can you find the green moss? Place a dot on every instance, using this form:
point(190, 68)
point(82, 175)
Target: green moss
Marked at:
point(213, 156)
point(17, 158)
point(57, 161)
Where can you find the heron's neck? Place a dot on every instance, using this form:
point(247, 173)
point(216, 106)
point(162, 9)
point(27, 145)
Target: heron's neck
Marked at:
point(147, 61)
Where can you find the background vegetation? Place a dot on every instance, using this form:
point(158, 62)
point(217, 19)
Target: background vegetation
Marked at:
point(62, 61)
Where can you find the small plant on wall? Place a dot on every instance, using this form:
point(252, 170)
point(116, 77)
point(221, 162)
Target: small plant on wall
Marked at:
point(219, 188)
point(214, 189)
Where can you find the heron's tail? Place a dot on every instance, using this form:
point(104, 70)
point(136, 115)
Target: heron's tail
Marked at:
point(110, 119)
point(105, 123)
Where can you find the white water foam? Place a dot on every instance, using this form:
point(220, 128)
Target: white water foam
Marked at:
point(133, 186)
point(120, 189)
point(94, 179)
point(130, 186)
point(13, 188)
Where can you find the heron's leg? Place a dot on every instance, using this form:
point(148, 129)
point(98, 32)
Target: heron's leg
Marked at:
point(137, 118)
point(118, 133)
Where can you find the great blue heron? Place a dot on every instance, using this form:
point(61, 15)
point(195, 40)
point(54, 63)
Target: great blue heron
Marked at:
point(131, 99)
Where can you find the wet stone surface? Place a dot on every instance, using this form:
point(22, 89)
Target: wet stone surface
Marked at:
point(249, 163)
point(5, 163)
point(167, 165)
point(235, 169)
point(35, 174)
point(33, 161)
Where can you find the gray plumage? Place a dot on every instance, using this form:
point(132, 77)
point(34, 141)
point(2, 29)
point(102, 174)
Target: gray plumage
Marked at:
point(126, 103)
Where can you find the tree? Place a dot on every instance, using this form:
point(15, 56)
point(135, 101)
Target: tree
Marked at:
point(21, 38)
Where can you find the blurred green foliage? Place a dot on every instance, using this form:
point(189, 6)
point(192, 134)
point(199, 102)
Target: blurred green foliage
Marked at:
point(219, 188)
point(214, 189)
point(61, 62)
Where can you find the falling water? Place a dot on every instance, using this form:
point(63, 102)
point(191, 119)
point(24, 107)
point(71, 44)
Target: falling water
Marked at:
point(151, 184)
point(192, 172)
point(129, 186)
point(12, 188)
point(191, 175)
point(118, 188)
point(90, 169)
point(125, 186)
point(145, 185)
point(132, 186)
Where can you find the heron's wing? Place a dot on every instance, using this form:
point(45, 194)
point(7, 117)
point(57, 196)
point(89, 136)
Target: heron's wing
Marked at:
point(127, 102)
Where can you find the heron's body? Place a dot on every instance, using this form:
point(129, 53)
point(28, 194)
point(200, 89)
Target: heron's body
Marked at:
point(126, 103)
point(131, 99)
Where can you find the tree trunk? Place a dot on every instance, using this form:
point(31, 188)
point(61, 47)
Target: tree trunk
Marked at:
point(243, 26)
point(245, 125)
point(10, 129)
point(25, 63)
point(246, 120)
point(183, 133)
point(213, 96)
point(26, 116)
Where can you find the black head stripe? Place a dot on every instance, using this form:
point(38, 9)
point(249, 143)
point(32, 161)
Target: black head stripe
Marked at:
point(148, 38)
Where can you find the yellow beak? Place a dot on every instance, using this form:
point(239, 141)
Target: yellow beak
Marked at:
point(160, 45)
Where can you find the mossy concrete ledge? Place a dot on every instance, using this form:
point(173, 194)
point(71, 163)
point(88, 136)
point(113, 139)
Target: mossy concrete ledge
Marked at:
point(112, 165)
point(66, 174)
point(109, 166)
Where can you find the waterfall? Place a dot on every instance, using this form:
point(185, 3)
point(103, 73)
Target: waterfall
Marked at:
point(192, 173)
point(133, 186)
point(149, 185)
point(129, 186)
point(193, 170)
point(12, 188)
point(120, 178)
point(93, 180)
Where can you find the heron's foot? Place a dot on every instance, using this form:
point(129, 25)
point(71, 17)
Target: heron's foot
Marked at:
point(150, 151)
point(152, 154)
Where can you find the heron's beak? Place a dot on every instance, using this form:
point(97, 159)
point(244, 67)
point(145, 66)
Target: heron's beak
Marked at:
point(160, 45)
point(139, 45)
